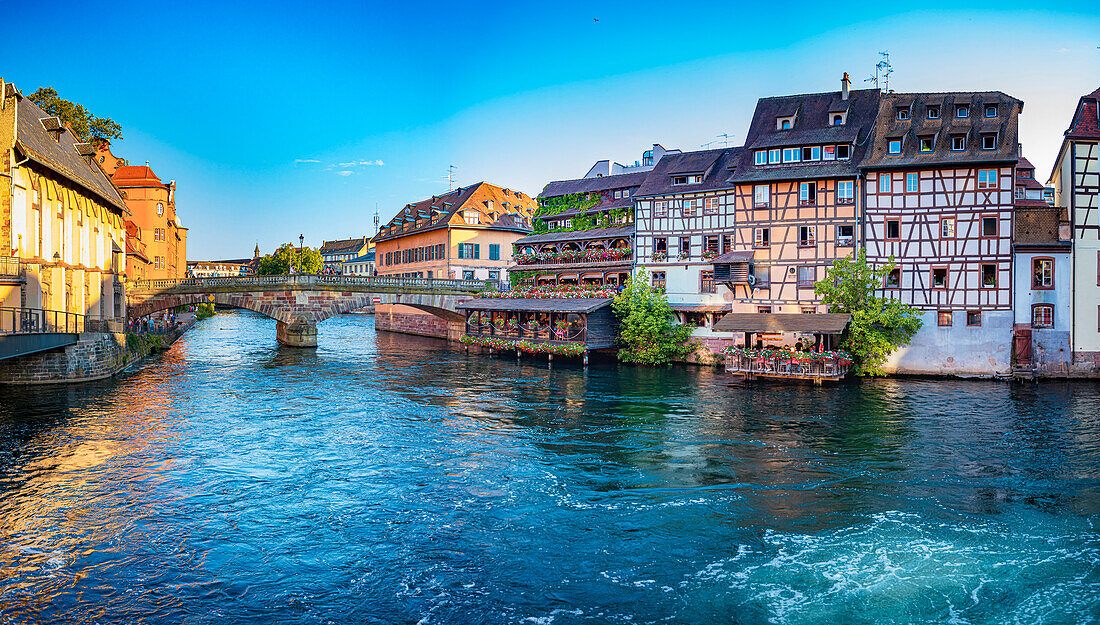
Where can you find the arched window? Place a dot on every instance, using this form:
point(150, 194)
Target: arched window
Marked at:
point(838, 120)
point(786, 124)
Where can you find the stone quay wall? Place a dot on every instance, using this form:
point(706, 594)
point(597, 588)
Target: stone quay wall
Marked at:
point(408, 320)
point(96, 355)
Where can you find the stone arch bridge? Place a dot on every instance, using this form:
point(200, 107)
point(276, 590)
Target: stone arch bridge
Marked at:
point(298, 303)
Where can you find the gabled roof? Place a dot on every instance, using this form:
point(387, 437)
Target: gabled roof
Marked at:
point(344, 246)
point(438, 211)
point(714, 165)
point(136, 176)
point(812, 127)
point(588, 185)
point(1038, 226)
point(61, 156)
point(1086, 119)
point(941, 131)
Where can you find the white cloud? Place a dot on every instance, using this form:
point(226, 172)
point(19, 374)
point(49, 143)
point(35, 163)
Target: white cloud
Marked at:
point(345, 172)
point(378, 162)
point(305, 160)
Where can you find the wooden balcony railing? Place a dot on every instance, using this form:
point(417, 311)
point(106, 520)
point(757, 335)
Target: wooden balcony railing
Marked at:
point(528, 332)
point(786, 367)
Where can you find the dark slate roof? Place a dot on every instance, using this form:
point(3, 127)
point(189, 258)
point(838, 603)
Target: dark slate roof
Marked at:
point(827, 323)
point(588, 185)
point(442, 208)
point(715, 165)
point(343, 246)
point(738, 256)
point(888, 127)
point(1038, 226)
point(578, 235)
point(575, 305)
point(811, 128)
point(61, 156)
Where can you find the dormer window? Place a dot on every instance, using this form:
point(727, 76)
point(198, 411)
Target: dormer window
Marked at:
point(990, 110)
point(933, 112)
point(792, 155)
point(989, 142)
point(958, 143)
point(838, 119)
point(902, 114)
point(962, 112)
point(811, 153)
point(774, 156)
point(893, 146)
point(471, 217)
point(693, 179)
point(843, 152)
point(760, 157)
point(927, 144)
point(784, 123)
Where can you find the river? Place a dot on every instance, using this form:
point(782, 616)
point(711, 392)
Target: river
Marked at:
point(391, 479)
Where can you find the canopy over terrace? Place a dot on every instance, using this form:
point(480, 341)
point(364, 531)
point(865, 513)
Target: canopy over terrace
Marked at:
point(820, 325)
point(586, 320)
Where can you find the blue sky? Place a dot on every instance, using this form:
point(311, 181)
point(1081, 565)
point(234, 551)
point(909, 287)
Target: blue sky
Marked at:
point(278, 119)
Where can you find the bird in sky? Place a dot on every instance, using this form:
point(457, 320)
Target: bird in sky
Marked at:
point(595, 19)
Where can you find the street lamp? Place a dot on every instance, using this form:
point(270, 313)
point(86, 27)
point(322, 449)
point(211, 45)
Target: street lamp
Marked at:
point(301, 244)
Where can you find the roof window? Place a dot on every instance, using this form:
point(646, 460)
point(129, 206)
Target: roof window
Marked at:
point(990, 110)
point(933, 111)
point(962, 111)
point(902, 114)
point(784, 123)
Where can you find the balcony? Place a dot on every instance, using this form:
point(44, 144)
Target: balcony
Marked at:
point(10, 269)
point(589, 257)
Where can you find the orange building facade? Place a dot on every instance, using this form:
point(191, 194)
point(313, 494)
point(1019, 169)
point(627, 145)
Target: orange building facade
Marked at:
point(153, 230)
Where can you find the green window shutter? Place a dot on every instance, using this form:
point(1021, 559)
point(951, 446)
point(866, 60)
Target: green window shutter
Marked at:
point(461, 250)
point(494, 251)
point(477, 250)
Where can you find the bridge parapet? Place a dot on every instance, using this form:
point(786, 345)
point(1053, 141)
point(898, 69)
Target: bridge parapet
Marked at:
point(309, 282)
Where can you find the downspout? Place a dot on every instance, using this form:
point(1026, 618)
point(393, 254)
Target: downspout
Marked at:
point(1073, 251)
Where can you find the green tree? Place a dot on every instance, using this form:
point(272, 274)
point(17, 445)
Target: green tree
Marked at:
point(91, 129)
point(308, 260)
point(646, 325)
point(879, 325)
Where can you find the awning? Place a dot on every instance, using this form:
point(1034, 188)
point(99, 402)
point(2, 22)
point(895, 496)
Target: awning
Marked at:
point(827, 323)
point(574, 305)
point(733, 257)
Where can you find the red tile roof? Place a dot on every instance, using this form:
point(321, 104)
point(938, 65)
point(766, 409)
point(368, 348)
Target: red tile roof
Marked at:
point(135, 175)
point(1085, 123)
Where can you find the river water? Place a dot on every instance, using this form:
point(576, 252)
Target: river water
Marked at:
point(389, 479)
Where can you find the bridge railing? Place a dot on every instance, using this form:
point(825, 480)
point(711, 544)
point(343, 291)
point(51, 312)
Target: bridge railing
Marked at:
point(39, 321)
point(307, 281)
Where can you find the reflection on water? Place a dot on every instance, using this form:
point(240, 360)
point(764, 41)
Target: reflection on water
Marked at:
point(384, 478)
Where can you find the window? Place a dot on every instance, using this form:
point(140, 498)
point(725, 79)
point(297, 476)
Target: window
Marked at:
point(761, 237)
point(828, 153)
point(806, 277)
point(1042, 270)
point(660, 246)
point(761, 195)
point(843, 152)
point(678, 180)
point(706, 282)
point(808, 310)
point(989, 142)
point(893, 279)
point(763, 277)
point(838, 120)
point(1019, 193)
point(884, 183)
point(989, 276)
point(811, 153)
point(469, 250)
point(902, 114)
point(893, 146)
point(947, 228)
point(658, 280)
point(710, 244)
point(845, 235)
point(927, 144)
point(973, 318)
point(690, 206)
point(472, 217)
point(990, 110)
point(493, 275)
point(494, 251)
point(761, 157)
point(845, 192)
point(660, 208)
point(685, 247)
point(792, 155)
point(1042, 316)
point(160, 209)
point(939, 277)
point(774, 156)
point(785, 125)
point(958, 143)
point(807, 193)
point(710, 206)
point(933, 112)
point(962, 112)
point(893, 229)
point(727, 242)
point(912, 184)
point(989, 226)
point(807, 236)
point(468, 274)
point(943, 318)
point(987, 179)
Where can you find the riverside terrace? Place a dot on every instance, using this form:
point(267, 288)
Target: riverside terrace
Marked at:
point(299, 302)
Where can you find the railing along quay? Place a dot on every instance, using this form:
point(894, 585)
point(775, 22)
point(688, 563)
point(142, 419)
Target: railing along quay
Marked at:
point(39, 321)
point(308, 281)
point(786, 367)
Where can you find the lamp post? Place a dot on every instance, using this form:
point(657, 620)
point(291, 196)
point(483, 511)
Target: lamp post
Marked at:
point(301, 244)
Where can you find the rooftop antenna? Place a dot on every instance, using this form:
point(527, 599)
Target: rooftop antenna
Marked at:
point(724, 138)
point(451, 178)
point(883, 69)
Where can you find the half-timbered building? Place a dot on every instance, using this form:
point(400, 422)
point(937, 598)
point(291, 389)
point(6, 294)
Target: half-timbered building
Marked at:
point(583, 232)
point(1076, 180)
point(684, 220)
point(795, 205)
point(939, 202)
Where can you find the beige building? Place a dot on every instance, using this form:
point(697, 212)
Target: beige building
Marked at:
point(62, 222)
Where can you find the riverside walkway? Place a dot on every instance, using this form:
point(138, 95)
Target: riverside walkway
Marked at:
point(299, 302)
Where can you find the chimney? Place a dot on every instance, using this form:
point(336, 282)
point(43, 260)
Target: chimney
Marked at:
point(845, 84)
